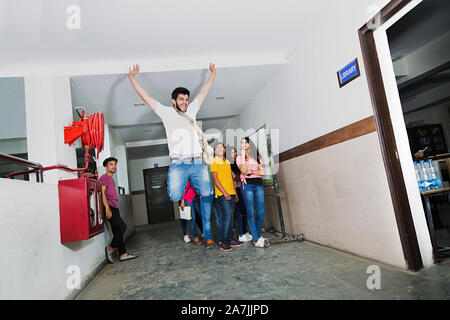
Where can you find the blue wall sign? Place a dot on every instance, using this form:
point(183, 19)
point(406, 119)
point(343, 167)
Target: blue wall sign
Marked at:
point(155, 165)
point(348, 73)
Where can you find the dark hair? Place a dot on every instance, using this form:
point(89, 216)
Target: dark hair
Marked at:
point(179, 90)
point(252, 150)
point(234, 166)
point(105, 162)
point(218, 143)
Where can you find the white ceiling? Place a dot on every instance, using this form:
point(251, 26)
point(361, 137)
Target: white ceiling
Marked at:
point(173, 40)
point(115, 97)
point(36, 30)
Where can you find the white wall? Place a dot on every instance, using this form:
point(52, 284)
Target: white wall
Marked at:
point(118, 150)
point(12, 108)
point(48, 110)
point(304, 101)
point(13, 146)
point(304, 98)
point(34, 262)
point(136, 170)
point(114, 146)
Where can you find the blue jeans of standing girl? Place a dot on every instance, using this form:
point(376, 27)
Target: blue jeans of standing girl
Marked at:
point(254, 196)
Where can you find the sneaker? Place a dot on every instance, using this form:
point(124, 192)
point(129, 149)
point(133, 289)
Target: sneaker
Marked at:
point(127, 257)
point(234, 243)
point(249, 236)
point(210, 243)
point(244, 238)
point(109, 255)
point(187, 239)
point(260, 243)
point(225, 247)
point(197, 241)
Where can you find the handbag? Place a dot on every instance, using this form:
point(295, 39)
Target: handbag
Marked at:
point(208, 151)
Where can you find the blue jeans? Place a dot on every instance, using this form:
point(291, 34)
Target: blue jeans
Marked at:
point(240, 213)
point(200, 178)
point(218, 214)
point(195, 209)
point(226, 219)
point(254, 194)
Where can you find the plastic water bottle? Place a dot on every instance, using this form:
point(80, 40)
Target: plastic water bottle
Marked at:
point(432, 175)
point(438, 170)
point(424, 169)
point(435, 174)
point(418, 176)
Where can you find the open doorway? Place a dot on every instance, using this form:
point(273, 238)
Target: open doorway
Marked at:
point(417, 45)
point(399, 33)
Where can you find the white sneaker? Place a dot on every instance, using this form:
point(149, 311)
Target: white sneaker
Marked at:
point(260, 243)
point(249, 236)
point(187, 239)
point(243, 238)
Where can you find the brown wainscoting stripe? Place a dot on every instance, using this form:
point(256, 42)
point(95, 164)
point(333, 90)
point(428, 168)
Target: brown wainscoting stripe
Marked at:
point(133, 193)
point(349, 132)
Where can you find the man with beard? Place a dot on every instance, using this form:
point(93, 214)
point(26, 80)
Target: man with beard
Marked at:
point(184, 145)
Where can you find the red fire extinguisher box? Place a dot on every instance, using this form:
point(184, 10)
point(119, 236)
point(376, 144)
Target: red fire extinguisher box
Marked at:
point(80, 209)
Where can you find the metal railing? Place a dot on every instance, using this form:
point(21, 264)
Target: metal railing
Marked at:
point(38, 168)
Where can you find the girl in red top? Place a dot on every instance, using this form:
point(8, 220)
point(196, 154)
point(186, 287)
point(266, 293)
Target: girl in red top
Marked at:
point(190, 199)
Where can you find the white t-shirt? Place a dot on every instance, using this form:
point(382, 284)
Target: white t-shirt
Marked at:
point(182, 137)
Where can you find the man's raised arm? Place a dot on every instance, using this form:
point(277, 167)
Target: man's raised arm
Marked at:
point(207, 86)
point(141, 92)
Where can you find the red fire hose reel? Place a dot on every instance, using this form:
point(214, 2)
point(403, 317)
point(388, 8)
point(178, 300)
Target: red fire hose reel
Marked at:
point(91, 129)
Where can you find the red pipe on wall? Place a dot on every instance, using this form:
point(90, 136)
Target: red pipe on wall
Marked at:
point(61, 167)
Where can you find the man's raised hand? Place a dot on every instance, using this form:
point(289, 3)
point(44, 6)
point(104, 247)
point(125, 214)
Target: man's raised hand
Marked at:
point(212, 68)
point(134, 71)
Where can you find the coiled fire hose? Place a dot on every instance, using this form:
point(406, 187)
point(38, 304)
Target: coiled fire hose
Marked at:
point(91, 130)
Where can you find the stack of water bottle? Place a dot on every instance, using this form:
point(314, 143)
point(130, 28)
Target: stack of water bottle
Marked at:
point(428, 175)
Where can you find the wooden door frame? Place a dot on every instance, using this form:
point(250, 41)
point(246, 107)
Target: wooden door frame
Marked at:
point(400, 200)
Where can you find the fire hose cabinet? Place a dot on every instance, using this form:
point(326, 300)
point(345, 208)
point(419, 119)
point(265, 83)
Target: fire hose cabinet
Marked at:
point(81, 209)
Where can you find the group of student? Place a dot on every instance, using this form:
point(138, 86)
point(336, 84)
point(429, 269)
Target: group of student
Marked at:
point(238, 189)
point(190, 180)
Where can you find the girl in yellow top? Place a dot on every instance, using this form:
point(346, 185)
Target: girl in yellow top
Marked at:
point(226, 195)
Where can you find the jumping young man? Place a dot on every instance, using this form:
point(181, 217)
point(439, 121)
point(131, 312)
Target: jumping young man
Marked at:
point(184, 145)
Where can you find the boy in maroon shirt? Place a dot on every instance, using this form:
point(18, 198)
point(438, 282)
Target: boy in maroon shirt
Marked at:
point(111, 203)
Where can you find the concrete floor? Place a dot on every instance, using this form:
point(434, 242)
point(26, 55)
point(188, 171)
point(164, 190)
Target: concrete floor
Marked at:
point(168, 268)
